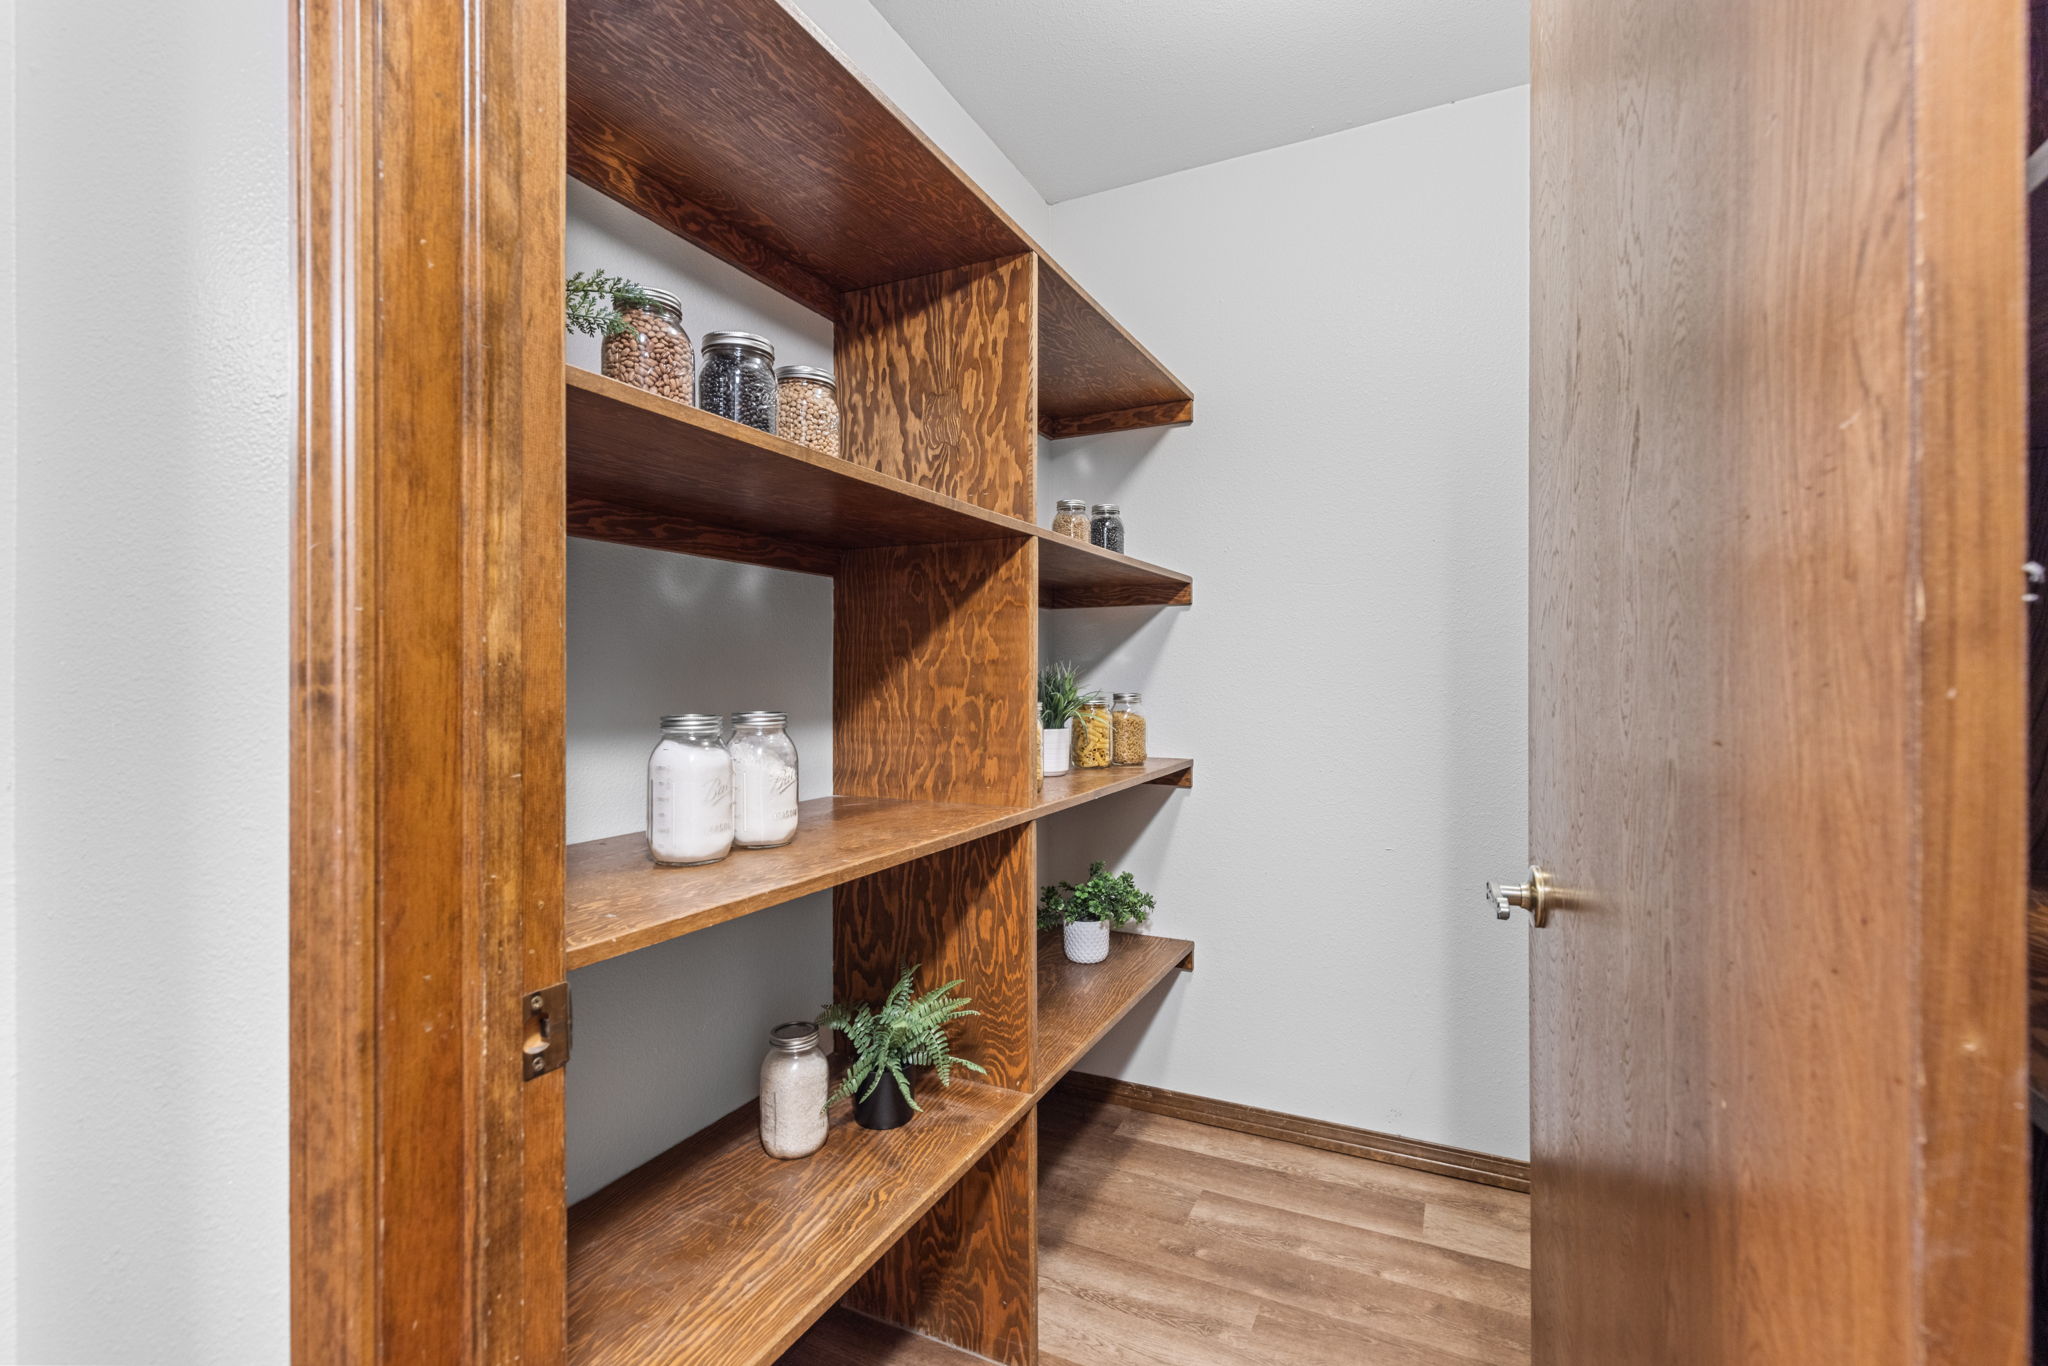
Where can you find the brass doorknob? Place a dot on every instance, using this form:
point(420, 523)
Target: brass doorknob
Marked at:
point(1533, 896)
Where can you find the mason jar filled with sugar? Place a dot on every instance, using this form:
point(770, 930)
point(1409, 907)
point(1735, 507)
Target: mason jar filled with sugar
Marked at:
point(764, 780)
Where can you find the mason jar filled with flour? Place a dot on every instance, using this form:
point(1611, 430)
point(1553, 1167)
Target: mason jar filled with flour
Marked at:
point(689, 791)
point(764, 780)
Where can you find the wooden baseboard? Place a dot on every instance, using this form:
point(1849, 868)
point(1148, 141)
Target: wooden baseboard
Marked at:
point(1484, 1168)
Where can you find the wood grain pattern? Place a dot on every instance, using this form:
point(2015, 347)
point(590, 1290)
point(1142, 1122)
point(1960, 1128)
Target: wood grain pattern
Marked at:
point(1461, 1164)
point(1170, 1241)
point(1774, 728)
point(715, 1254)
point(1078, 1003)
point(1176, 414)
point(967, 1273)
point(666, 476)
point(933, 659)
point(1970, 268)
point(427, 1218)
point(801, 174)
point(619, 901)
point(938, 382)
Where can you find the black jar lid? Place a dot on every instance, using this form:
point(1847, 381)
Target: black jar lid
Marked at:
point(745, 340)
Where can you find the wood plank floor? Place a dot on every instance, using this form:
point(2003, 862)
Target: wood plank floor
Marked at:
point(1167, 1243)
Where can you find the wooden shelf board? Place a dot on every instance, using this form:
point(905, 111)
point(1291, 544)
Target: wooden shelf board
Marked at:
point(739, 126)
point(1077, 1003)
point(647, 471)
point(715, 1254)
point(619, 901)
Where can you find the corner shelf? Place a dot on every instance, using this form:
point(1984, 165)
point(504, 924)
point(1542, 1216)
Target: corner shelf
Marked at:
point(804, 176)
point(619, 902)
point(647, 471)
point(784, 1240)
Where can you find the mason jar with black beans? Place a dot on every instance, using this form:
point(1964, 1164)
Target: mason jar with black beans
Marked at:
point(737, 379)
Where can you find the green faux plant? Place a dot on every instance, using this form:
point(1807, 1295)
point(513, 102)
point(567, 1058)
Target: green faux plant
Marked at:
point(908, 1031)
point(593, 299)
point(1112, 900)
point(1060, 695)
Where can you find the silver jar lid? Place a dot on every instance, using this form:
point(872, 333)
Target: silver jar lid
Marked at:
point(797, 1037)
point(1127, 697)
point(809, 372)
point(760, 718)
point(1072, 505)
point(660, 298)
point(1106, 509)
point(693, 722)
point(745, 340)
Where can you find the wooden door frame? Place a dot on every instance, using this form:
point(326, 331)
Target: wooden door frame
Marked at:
point(427, 1208)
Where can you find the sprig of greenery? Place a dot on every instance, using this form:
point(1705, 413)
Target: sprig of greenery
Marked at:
point(1113, 900)
point(1060, 695)
point(908, 1031)
point(592, 300)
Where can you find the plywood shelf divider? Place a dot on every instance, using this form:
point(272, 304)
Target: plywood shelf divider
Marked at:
point(620, 902)
point(646, 471)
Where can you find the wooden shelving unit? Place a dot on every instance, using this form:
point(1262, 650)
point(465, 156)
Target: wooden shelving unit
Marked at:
point(619, 902)
point(957, 343)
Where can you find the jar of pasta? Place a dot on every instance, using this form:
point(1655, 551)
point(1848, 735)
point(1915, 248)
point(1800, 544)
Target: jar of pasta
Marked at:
point(1127, 729)
point(1092, 735)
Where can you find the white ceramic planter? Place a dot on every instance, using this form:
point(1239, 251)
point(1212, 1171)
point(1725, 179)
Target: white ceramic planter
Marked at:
point(1058, 750)
point(1087, 941)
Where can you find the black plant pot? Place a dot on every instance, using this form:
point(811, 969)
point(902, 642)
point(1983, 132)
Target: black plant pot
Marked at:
point(885, 1107)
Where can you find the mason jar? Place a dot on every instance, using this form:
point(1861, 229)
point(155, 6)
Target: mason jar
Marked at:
point(689, 792)
point(653, 353)
point(1070, 518)
point(1106, 527)
point(807, 407)
point(738, 379)
point(1127, 728)
point(764, 780)
point(1092, 735)
point(794, 1083)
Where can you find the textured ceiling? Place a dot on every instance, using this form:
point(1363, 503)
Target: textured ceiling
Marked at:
point(1086, 95)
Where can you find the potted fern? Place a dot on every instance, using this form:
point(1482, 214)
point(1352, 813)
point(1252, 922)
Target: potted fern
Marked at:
point(1060, 699)
point(1084, 914)
point(908, 1031)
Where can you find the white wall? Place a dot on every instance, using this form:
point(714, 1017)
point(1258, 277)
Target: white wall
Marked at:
point(151, 671)
point(1352, 314)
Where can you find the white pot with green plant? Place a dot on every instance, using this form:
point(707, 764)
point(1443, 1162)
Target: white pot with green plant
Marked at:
point(906, 1032)
point(1060, 699)
point(1085, 914)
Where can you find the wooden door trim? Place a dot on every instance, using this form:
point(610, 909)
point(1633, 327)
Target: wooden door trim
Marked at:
point(1970, 480)
point(426, 1213)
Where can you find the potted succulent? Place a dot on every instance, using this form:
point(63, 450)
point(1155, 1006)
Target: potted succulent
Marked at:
point(1060, 699)
point(1084, 914)
point(908, 1031)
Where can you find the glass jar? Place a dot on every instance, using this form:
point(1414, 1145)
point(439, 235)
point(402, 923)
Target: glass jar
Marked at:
point(653, 353)
point(1071, 519)
point(1091, 735)
point(738, 380)
point(689, 792)
point(1106, 527)
point(763, 780)
point(1127, 729)
point(793, 1086)
point(807, 408)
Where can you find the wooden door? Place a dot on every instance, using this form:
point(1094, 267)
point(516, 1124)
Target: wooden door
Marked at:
point(1776, 766)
